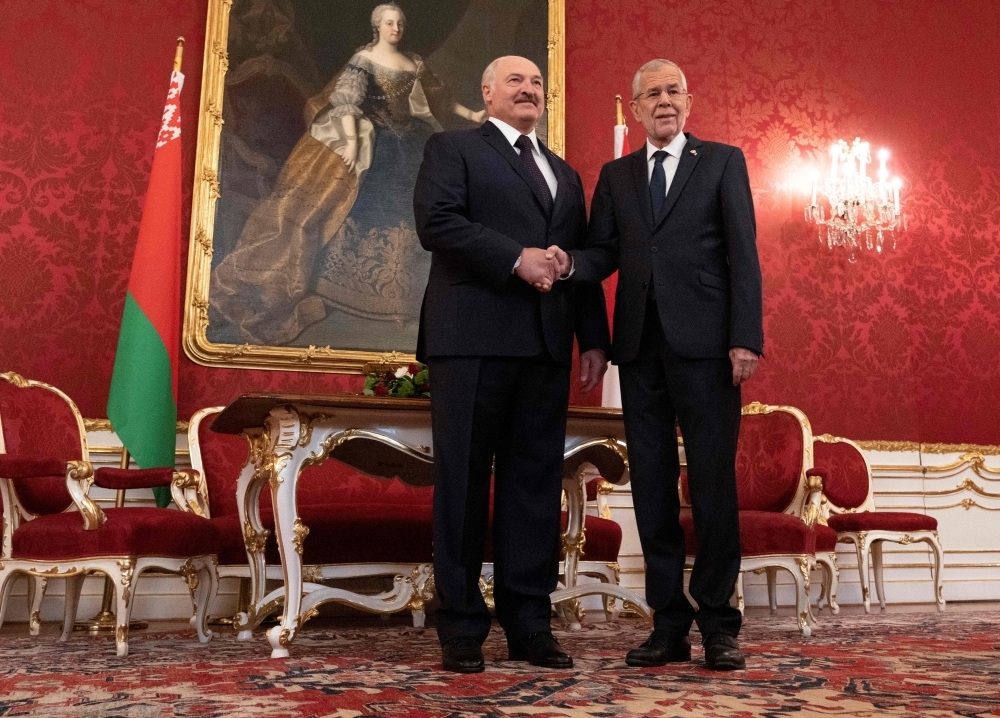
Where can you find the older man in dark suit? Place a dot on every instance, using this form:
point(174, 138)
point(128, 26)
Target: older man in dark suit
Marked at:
point(497, 330)
point(676, 219)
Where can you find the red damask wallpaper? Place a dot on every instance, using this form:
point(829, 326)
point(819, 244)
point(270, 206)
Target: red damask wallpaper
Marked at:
point(902, 346)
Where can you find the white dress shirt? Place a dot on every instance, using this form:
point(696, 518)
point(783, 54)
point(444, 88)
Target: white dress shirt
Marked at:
point(673, 157)
point(512, 134)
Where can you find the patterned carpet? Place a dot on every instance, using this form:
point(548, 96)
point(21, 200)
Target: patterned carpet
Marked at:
point(915, 664)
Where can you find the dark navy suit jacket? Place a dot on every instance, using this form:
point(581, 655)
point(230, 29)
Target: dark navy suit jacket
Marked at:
point(698, 257)
point(476, 208)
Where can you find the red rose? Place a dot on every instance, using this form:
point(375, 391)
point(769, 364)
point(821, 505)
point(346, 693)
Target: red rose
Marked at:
point(414, 369)
point(380, 390)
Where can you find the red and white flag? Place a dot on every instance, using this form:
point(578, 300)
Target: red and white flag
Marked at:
point(611, 393)
point(621, 140)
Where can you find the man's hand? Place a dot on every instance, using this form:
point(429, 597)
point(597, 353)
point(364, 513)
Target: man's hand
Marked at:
point(537, 269)
point(744, 364)
point(593, 364)
point(564, 261)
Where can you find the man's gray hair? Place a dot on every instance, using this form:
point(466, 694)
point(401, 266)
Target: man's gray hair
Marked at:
point(655, 65)
point(490, 73)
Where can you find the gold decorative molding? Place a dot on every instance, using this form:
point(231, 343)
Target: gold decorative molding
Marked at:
point(205, 196)
point(299, 533)
point(105, 425)
point(928, 448)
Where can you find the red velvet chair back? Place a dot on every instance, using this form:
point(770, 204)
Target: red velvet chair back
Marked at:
point(770, 457)
point(224, 455)
point(38, 420)
point(848, 482)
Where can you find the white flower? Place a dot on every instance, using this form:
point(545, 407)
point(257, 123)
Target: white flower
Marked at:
point(402, 371)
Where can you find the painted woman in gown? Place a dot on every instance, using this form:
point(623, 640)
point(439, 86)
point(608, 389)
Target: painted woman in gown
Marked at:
point(337, 231)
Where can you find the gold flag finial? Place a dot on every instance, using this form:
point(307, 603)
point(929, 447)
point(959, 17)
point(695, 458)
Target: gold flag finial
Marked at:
point(179, 55)
point(619, 117)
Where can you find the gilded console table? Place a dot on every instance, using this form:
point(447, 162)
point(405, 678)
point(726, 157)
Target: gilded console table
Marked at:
point(381, 437)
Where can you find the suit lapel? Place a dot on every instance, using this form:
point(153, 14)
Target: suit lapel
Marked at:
point(685, 166)
point(493, 135)
point(639, 175)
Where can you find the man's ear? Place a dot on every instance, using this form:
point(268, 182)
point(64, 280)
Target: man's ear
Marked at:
point(634, 106)
point(487, 96)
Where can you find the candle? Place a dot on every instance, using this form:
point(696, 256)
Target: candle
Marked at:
point(896, 184)
point(883, 155)
point(863, 158)
point(815, 177)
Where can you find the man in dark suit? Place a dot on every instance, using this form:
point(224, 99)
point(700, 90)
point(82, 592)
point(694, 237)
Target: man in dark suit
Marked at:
point(496, 330)
point(676, 219)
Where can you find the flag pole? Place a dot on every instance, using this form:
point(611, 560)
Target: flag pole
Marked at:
point(179, 55)
point(619, 117)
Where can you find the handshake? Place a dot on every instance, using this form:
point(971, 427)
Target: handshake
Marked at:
point(541, 268)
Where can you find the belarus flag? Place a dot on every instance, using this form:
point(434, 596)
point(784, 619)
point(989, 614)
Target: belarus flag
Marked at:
point(142, 404)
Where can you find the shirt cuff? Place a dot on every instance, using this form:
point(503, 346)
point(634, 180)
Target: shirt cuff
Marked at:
point(572, 268)
point(517, 264)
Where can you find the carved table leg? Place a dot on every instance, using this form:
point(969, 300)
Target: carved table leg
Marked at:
point(285, 463)
point(248, 488)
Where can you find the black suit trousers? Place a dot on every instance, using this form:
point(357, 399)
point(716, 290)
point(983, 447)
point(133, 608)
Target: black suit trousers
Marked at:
point(659, 388)
point(511, 411)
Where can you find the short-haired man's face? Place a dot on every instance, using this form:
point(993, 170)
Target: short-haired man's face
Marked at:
point(517, 95)
point(663, 104)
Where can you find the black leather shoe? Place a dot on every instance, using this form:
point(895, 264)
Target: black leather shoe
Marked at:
point(722, 653)
point(462, 655)
point(659, 649)
point(540, 649)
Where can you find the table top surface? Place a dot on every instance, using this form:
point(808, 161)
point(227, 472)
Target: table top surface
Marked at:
point(251, 410)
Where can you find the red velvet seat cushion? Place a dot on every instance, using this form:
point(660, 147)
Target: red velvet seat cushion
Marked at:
point(883, 521)
point(604, 539)
point(382, 533)
point(762, 533)
point(127, 532)
point(826, 539)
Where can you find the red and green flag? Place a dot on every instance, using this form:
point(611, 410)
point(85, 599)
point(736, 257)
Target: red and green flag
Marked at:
point(142, 404)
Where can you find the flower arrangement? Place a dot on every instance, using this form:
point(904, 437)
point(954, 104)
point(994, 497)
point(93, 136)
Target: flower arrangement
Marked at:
point(406, 381)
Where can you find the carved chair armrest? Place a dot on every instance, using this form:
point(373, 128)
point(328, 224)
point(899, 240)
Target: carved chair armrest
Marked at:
point(108, 478)
point(812, 509)
point(79, 478)
point(190, 492)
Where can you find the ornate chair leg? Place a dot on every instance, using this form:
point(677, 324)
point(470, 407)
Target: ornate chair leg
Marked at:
point(740, 594)
point(935, 543)
point(6, 583)
point(71, 604)
point(877, 569)
point(831, 577)
point(123, 587)
point(860, 543)
point(772, 589)
point(36, 594)
point(802, 607)
point(204, 584)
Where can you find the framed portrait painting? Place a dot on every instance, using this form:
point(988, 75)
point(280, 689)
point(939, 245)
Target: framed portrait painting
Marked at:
point(314, 115)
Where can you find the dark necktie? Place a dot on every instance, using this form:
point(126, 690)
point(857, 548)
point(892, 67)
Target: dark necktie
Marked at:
point(524, 144)
point(658, 183)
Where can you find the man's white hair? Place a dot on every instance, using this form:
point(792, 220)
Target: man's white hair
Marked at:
point(490, 73)
point(655, 65)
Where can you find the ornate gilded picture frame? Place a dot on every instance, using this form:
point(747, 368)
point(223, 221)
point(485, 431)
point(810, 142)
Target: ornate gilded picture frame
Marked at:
point(312, 123)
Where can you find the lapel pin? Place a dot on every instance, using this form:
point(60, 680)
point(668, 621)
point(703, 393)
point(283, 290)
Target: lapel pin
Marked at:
point(694, 152)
